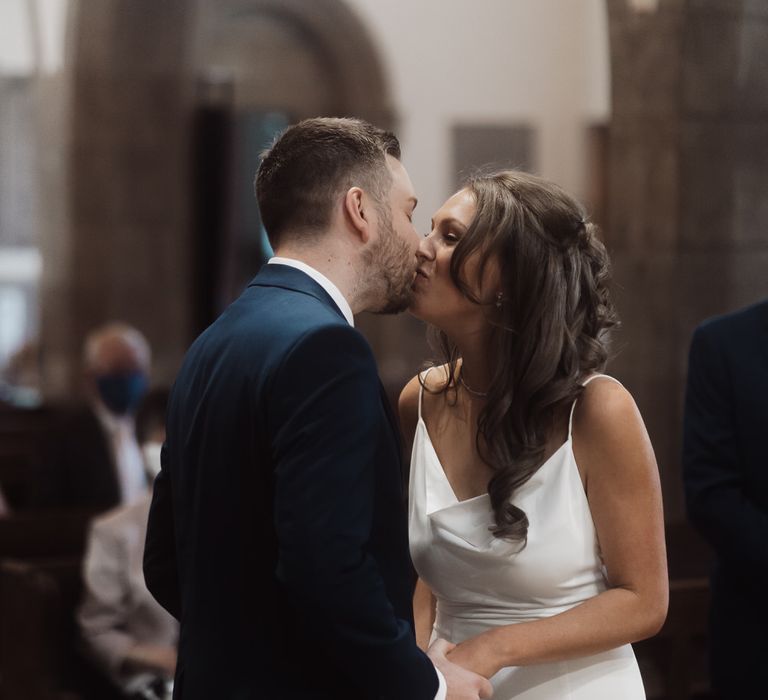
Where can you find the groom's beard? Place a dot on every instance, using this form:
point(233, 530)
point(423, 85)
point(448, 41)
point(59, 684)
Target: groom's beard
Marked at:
point(392, 266)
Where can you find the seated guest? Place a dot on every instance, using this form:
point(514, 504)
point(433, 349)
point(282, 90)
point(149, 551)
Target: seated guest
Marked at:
point(125, 630)
point(95, 460)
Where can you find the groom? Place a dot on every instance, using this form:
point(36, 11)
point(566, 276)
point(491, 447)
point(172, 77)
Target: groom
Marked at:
point(277, 533)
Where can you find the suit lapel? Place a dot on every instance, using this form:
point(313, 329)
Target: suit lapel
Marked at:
point(286, 277)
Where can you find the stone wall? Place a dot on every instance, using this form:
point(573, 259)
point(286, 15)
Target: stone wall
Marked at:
point(688, 227)
point(118, 237)
point(119, 250)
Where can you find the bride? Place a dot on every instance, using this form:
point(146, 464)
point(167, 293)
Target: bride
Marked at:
point(535, 511)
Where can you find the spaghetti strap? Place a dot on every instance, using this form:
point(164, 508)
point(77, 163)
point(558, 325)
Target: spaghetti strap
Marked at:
point(421, 387)
point(575, 401)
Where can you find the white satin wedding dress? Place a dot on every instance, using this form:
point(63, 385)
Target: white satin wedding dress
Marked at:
point(481, 582)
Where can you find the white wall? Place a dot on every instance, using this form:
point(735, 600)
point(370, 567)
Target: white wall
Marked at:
point(31, 50)
point(31, 36)
point(540, 62)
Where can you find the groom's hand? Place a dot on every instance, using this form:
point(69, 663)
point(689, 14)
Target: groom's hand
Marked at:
point(462, 684)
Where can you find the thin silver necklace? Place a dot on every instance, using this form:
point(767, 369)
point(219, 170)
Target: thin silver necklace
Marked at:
point(474, 392)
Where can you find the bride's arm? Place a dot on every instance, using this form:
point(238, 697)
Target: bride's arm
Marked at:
point(624, 495)
point(423, 614)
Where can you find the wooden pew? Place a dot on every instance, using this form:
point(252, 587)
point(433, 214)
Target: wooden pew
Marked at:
point(46, 533)
point(39, 639)
point(28, 538)
point(25, 442)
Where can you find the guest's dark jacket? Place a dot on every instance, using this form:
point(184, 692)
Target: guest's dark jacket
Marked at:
point(725, 463)
point(79, 469)
point(277, 531)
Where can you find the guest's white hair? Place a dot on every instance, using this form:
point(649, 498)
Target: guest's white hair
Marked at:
point(129, 335)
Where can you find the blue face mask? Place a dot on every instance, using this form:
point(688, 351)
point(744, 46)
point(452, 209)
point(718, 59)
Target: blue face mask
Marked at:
point(122, 392)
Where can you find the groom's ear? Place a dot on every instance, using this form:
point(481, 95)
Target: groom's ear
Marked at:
point(357, 212)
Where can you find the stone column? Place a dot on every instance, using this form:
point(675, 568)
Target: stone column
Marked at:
point(688, 223)
point(120, 250)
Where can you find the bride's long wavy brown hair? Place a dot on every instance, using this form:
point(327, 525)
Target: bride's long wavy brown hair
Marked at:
point(549, 329)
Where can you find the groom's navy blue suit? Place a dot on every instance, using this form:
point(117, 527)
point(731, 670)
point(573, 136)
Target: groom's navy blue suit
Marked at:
point(278, 532)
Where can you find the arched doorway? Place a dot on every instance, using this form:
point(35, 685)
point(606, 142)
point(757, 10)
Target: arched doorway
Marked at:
point(263, 65)
point(126, 242)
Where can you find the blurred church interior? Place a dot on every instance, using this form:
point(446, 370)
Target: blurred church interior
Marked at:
point(130, 132)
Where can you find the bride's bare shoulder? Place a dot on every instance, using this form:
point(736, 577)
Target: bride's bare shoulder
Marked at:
point(433, 379)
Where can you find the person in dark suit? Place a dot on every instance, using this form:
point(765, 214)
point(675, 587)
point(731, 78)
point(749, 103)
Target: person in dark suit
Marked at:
point(277, 532)
point(725, 468)
point(95, 461)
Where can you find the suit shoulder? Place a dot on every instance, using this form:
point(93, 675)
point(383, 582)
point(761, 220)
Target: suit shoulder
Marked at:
point(281, 315)
point(289, 304)
point(745, 319)
point(263, 323)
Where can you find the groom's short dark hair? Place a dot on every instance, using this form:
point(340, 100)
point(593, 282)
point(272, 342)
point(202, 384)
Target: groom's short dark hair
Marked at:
point(312, 163)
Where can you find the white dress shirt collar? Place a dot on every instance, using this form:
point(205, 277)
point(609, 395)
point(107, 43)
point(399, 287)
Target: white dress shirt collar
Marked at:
point(323, 281)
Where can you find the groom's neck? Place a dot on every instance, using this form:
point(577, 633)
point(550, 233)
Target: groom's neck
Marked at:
point(330, 260)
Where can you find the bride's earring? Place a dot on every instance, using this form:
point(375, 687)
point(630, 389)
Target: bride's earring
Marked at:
point(499, 300)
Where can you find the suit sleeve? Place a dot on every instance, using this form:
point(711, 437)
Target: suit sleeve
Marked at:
point(718, 504)
point(160, 568)
point(325, 422)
